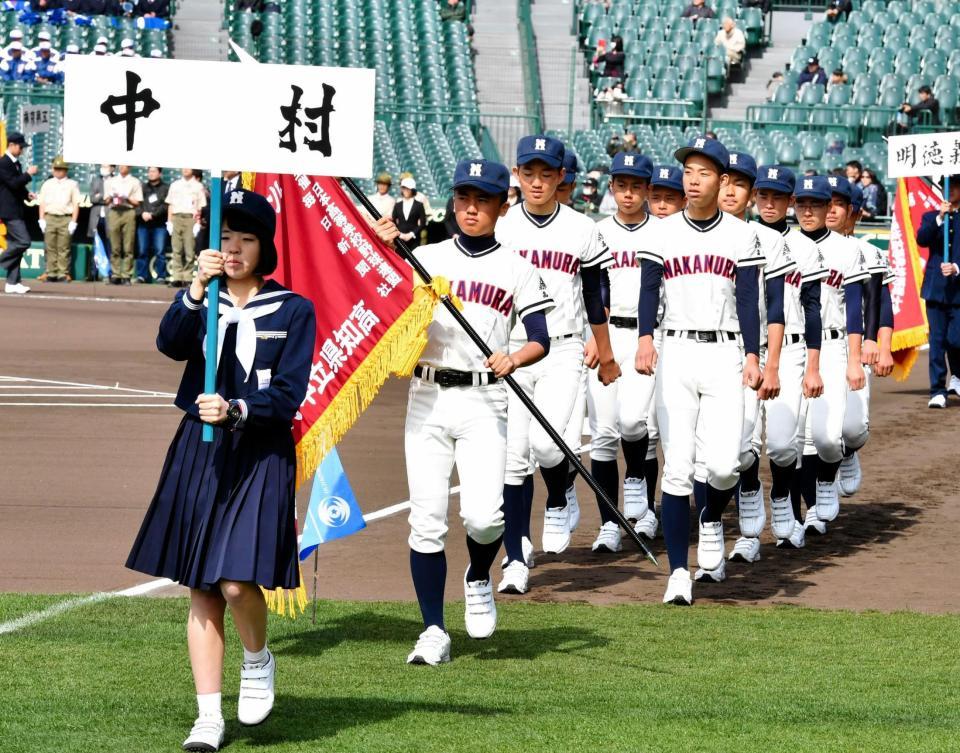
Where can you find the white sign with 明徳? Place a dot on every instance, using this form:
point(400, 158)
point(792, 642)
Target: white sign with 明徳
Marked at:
point(179, 113)
point(931, 154)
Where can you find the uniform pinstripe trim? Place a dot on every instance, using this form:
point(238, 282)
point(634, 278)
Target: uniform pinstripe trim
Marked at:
point(190, 303)
point(753, 261)
point(819, 274)
point(244, 411)
point(592, 262)
point(889, 278)
point(779, 271)
point(650, 256)
point(858, 277)
point(534, 307)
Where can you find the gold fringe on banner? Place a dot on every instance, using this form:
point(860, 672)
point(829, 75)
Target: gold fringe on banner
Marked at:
point(903, 361)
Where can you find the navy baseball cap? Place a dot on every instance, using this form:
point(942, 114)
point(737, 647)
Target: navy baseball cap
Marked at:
point(485, 175)
point(776, 178)
point(15, 137)
point(249, 212)
point(710, 148)
point(667, 176)
point(544, 148)
point(813, 187)
point(856, 197)
point(570, 166)
point(840, 186)
point(744, 164)
point(634, 165)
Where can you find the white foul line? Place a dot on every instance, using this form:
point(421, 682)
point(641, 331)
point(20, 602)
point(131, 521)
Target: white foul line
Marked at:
point(95, 299)
point(149, 393)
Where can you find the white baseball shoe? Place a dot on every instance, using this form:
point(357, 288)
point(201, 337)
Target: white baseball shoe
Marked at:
point(433, 647)
point(679, 588)
point(256, 691)
point(747, 549)
point(712, 576)
point(781, 517)
point(954, 386)
point(515, 579)
point(18, 289)
point(828, 501)
point(813, 523)
point(527, 549)
point(480, 612)
point(573, 507)
point(636, 504)
point(206, 735)
point(937, 401)
point(608, 540)
point(797, 538)
point(647, 525)
point(753, 515)
point(849, 477)
point(710, 546)
point(556, 529)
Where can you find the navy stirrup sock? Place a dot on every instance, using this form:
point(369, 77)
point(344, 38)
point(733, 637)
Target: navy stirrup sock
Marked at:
point(555, 480)
point(608, 476)
point(808, 480)
point(651, 469)
point(700, 496)
point(750, 477)
point(783, 476)
point(527, 504)
point(481, 558)
point(635, 453)
point(675, 518)
point(513, 521)
point(717, 501)
point(429, 571)
point(827, 472)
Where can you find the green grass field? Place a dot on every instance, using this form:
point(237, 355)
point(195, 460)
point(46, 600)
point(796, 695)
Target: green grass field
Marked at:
point(113, 676)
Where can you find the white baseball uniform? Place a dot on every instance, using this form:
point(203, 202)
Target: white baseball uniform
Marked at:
point(558, 247)
point(466, 426)
point(699, 380)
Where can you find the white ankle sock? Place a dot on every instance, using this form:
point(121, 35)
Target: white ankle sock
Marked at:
point(255, 657)
point(208, 704)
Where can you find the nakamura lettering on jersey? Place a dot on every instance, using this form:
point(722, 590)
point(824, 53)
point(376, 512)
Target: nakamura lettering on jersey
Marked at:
point(808, 268)
point(699, 268)
point(845, 264)
point(494, 286)
point(623, 241)
point(557, 246)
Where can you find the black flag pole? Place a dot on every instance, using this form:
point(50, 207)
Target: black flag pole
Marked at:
point(408, 256)
point(316, 560)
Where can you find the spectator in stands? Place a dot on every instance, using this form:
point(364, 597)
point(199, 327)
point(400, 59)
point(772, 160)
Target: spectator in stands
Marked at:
point(16, 67)
point(599, 55)
point(382, 199)
point(613, 60)
point(59, 208)
point(698, 9)
point(127, 49)
point(812, 74)
point(42, 6)
point(773, 84)
point(153, 8)
point(100, 50)
point(74, 6)
point(589, 201)
point(613, 145)
point(71, 49)
point(733, 41)
point(837, 78)
point(927, 103)
point(764, 5)
point(629, 145)
point(44, 37)
point(854, 171)
point(712, 135)
point(611, 98)
point(124, 195)
point(14, 190)
point(15, 35)
point(47, 71)
point(152, 227)
point(100, 7)
point(609, 203)
point(874, 195)
point(838, 8)
point(185, 199)
point(453, 10)
point(513, 193)
point(409, 215)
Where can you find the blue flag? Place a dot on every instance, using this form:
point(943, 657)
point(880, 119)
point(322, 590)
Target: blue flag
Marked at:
point(333, 511)
point(100, 259)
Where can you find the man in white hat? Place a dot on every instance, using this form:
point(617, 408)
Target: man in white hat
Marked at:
point(16, 67)
point(155, 53)
point(100, 50)
point(47, 71)
point(44, 38)
point(126, 48)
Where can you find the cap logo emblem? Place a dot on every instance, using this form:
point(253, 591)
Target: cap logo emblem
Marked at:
point(664, 173)
point(236, 197)
point(699, 143)
point(733, 159)
point(540, 145)
point(833, 182)
point(773, 173)
point(476, 170)
point(628, 160)
point(808, 184)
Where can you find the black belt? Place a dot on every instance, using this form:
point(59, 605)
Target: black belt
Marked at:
point(701, 336)
point(563, 337)
point(793, 339)
point(833, 334)
point(624, 322)
point(454, 378)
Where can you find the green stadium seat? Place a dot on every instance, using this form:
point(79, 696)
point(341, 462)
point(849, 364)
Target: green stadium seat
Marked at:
point(810, 94)
point(838, 95)
point(784, 94)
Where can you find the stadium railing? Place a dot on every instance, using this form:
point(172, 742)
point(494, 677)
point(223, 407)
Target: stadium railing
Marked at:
point(531, 67)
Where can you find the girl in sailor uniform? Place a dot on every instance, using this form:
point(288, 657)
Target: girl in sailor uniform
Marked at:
point(222, 519)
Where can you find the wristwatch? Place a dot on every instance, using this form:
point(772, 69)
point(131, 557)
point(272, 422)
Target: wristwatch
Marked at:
point(234, 414)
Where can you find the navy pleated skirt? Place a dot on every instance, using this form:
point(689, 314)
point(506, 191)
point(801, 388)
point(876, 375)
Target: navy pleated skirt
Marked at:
point(223, 510)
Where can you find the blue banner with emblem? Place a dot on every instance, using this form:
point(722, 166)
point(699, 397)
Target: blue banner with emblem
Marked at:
point(333, 511)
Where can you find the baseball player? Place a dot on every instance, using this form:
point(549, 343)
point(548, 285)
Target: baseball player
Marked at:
point(619, 411)
point(841, 310)
point(708, 263)
point(457, 408)
point(569, 252)
point(568, 185)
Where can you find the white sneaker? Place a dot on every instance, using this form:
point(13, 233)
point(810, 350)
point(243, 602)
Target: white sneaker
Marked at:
point(433, 647)
point(849, 477)
point(608, 540)
point(828, 501)
point(937, 401)
point(797, 538)
point(712, 576)
point(781, 517)
point(556, 529)
point(710, 546)
point(753, 515)
point(647, 525)
point(18, 289)
point(813, 523)
point(206, 735)
point(747, 549)
point(635, 500)
point(573, 507)
point(527, 549)
point(256, 691)
point(679, 588)
point(954, 386)
point(515, 580)
point(480, 613)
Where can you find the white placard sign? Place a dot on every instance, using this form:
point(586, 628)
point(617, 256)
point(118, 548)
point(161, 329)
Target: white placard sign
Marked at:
point(34, 119)
point(177, 113)
point(923, 154)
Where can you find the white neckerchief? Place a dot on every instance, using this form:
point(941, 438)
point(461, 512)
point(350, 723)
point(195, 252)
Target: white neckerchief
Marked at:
point(246, 348)
point(407, 207)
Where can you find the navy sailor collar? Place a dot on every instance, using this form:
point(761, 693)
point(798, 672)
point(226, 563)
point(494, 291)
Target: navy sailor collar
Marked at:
point(271, 292)
point(635, 226)
point(712, 223)
point(533, 218)
point(462, 247)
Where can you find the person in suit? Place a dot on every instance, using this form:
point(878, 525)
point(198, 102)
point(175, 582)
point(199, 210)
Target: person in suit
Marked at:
point(941, 291)
point(408, 213)
point(14, 190)
point(97, 224)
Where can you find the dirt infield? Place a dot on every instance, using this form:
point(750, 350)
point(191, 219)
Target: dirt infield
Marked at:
point(80, 465)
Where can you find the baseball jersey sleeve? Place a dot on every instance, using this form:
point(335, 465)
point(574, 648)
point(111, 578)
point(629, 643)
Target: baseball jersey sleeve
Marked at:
point(529, 290)
point(751, 254)
point(651, 249)
point(779, 261)
point(595, 252)
point(856, 268)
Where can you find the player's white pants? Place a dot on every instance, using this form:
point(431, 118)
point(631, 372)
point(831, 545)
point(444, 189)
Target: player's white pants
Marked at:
point(856, 420)
point(699, 389)
point(619, 409)
point(573, 433)
point(823, 434)
point(462, 425)
point(653, 427)
point(553, 384)
point(782, 414)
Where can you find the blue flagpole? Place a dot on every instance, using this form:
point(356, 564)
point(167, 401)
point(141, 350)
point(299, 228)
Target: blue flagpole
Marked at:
point(946, 221)
point(213, 299)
